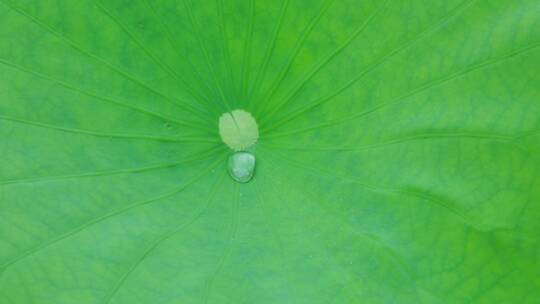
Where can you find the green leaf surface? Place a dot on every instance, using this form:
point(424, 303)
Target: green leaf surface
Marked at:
point(398, 158)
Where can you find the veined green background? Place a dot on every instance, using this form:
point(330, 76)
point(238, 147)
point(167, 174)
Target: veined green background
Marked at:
point(398, 159)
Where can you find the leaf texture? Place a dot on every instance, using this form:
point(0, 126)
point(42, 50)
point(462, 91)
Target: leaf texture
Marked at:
point(398, 158)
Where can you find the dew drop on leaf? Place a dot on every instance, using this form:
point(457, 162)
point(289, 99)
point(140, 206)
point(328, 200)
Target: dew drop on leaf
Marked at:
point(241, 166)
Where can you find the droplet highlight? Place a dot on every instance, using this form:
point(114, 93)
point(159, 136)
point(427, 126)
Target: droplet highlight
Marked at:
point(241, 166)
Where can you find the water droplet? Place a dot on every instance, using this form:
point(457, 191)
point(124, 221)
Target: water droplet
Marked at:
point(241, 166)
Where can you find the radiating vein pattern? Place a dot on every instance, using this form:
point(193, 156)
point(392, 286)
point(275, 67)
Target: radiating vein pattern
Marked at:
point(398, 151)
